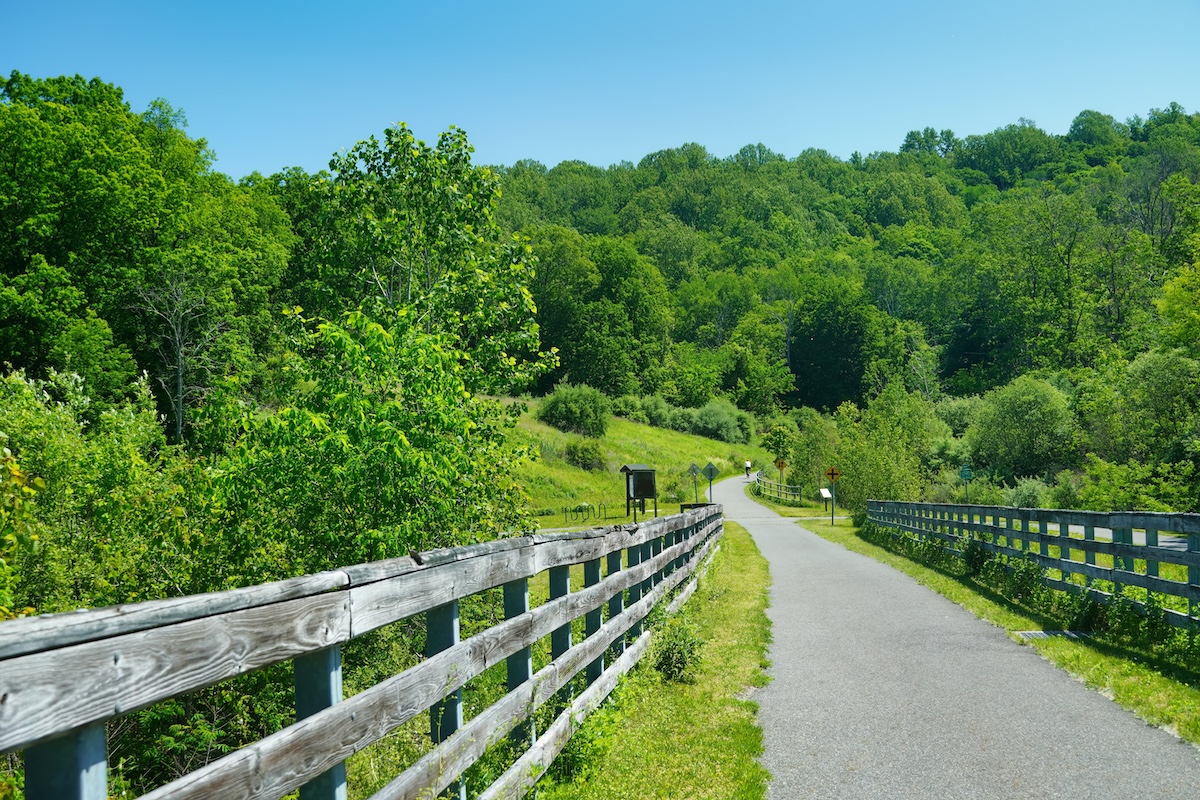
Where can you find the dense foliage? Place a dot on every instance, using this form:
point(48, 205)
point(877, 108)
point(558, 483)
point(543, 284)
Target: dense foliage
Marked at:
point(312, 353)
point(1036, 293)
point(209, 383)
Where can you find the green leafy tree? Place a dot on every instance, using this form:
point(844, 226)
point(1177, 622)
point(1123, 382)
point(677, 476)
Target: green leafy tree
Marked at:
point(780, 440)
point(1025, 428)
point(416, 227)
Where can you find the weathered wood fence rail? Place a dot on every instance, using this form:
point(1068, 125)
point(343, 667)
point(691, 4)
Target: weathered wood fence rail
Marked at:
point(1066, 543)
point(780, 491)
point(63, 676)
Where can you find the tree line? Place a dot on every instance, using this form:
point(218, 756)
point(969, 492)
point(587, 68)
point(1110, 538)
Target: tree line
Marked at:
point(211, 382)
point(1033, 296)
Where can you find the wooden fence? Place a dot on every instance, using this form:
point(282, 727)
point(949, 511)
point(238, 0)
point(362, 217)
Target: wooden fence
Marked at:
point(63, 676)
point(1066, 544)
point(776, 490)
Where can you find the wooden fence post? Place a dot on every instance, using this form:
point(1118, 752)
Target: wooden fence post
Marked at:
point(520, 663)
point(445, 716)
point(318, 685)
point(1064, 548)
point(1193, 546)
point(1151, 563)
point(656, 547)
point(616, 603)
point(647, 553)
point(70, 767)
point(592, 620)
point(634, 556)
point(560, 637)
point(1123, 563)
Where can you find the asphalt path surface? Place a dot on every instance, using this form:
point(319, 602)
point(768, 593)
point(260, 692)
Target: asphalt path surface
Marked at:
point(882, 688)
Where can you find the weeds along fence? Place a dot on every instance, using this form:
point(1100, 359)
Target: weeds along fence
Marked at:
point(1077, 551)
point(777, 491)
point(64, 676)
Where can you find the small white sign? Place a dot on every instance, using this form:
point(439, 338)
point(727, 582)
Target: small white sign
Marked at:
point(825, 495)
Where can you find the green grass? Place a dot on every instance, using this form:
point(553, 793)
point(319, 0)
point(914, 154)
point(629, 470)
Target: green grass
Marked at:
point(654, 739)
point(553, 483)
point(1160, 693)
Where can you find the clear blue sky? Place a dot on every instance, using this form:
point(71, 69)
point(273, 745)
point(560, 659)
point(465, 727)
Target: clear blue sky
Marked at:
point(274, 84)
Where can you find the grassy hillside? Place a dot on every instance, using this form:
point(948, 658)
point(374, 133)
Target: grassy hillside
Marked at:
point(553, 483)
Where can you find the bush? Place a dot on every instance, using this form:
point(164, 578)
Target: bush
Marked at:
point(1025, 579)
point(629, 407)
point(657, 411)
point(576, 409)
point(958, 412)
point(1065, 492)
point(585, 454)
point(1028, 493)
point(676, 652)
point(1024, 428)
point(975, 557)
point(683, 419)
point(719, 419)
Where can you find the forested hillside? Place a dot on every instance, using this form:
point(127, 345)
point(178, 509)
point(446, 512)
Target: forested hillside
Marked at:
point(1035, 293)
point(211, 383)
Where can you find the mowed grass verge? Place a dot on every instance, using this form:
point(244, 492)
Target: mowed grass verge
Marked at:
point(654, 739)
point(1158, 693)
point(552, 482)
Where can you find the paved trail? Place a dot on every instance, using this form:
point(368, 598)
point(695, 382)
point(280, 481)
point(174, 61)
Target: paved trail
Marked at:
point(883, 689)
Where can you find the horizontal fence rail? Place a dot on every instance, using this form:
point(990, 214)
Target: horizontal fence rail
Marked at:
point(1066, 545)
point(64, 676)
point(779, 491)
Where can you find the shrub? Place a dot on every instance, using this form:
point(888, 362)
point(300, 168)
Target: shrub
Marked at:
point(576, 409)
point(958, 412)
point(719, 419)
point(1028, 493)
point(676, 652)
point(629, 407)
point(1025, 579)
point(1024, 428)
point(683, 419)
point(1065, 492)
point(585, 454)
point(657, 411)
point(975, 557)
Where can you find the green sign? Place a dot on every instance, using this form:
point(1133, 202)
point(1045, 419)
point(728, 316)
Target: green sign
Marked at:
point(965, 473)
point(693, 470)
point(710, 471)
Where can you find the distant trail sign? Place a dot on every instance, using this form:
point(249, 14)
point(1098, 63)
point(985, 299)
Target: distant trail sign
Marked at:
point(709, 472)
point(833, 473)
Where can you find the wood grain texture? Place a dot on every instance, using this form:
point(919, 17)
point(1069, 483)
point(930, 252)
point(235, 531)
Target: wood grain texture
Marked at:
point(49, 631)
point(276, 765)
point(60, 672)
point(59, 690)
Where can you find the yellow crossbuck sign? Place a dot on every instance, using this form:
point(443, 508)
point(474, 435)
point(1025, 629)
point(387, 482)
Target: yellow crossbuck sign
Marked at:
point(833, 473)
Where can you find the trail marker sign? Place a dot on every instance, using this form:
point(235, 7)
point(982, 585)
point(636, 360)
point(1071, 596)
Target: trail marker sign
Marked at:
point(710, 472)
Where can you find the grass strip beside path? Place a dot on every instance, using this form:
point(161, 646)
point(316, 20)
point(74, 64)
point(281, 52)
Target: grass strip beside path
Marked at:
point(654, 739)
point(1131, 678)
